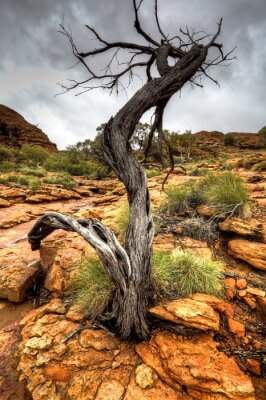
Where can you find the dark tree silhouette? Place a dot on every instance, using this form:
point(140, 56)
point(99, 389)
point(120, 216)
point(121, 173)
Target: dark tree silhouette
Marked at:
point(129, 267)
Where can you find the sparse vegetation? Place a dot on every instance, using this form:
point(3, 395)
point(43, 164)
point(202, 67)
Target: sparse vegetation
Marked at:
point(225, 193)
point(150, 173)
point(34, 184)
point(121, 219)
point(180, 273)
point(229, 139)
point(200, 229)
point(91, 287)
point(176, 200)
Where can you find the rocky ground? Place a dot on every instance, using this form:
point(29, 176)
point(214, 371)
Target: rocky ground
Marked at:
point(211, 349)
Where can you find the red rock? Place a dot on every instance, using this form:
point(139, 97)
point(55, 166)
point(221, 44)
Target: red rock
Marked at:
point(250, 302)
point(196, 364)
point(244, 227)
point(256, 291)
point(241, 284)
point(242, 293)
point(188, 312)
point(236, 327)
point(4, 203)
point(253, 366)
point(262, 304)
point(216, 303)
point(253, 253)
point(230, 284)
point(16, 131)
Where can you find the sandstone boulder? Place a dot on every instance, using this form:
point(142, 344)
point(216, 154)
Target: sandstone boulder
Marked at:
point(253, 253)
point(188, 312)
point(196, 364)
point(245, 227)
point(18, 271)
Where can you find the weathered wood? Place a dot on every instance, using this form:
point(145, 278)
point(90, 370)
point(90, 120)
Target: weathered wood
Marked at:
point(130, 267)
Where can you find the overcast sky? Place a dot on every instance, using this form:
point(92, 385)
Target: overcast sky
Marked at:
point(35, 57)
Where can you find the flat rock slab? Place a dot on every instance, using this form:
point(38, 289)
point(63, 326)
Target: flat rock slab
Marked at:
point(245, 227)
point(188, 312)
point(196, 364)
point(253, 253)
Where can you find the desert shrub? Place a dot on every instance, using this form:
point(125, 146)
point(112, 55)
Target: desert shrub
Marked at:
point(200, 229)
point(23, 180)
point(91, 287)
point(6, 154)
point(33, 153)
point(34, 183)
point(12, 178)
point(198, 172)
point(3, 180)
point(176, 200)
point(7, 166)
point(150, 173)
point(180, 273)
point(261, 142)
point(229, 139)
point(68, 182)
point(39, 172)
point(226, 194)
point(121, 218)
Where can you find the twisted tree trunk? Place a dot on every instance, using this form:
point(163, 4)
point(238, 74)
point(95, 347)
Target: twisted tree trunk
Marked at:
point(129, 267)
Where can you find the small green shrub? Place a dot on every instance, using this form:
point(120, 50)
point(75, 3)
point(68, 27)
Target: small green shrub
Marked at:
point(40, 172)
point(12, 178)
point(7, 166)
point(150, 173)
point(33, 153)
point(121, 218)
point(198, 172)
point(176, 200)
point(23, 180)
point(69, 183)
point(229, 139)
point(91, 287)
point(227, 194)
point(180, 274)
point(261, 142)
point(34, 184)
point(6, 153)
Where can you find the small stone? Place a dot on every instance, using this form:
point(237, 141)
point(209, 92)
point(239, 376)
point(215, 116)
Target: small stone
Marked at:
point(230, 284)
point(250, 302)
point(242, 293)
point(257, 345)
point(241, 284)
point(236, 327)
point(256, 292)
point(245, 340)
point(145, 376)
point(254, 366)
point(45, 342)
point(262, 304)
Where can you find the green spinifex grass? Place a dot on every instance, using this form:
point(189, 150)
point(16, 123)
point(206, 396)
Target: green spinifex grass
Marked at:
point(91, 287)
point(180, 273)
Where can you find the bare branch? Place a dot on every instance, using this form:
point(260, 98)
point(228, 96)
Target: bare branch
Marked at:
point(157, 21)
point(138, 26)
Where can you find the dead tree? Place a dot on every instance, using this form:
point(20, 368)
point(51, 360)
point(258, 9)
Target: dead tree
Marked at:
point(129, 267)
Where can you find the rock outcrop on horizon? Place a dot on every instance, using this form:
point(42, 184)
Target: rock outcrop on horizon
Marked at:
point(16, 131)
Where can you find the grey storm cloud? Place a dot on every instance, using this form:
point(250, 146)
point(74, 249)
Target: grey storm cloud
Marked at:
point(35, 57)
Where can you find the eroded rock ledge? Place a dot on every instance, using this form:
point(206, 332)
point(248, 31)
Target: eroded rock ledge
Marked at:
point(95, 365)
